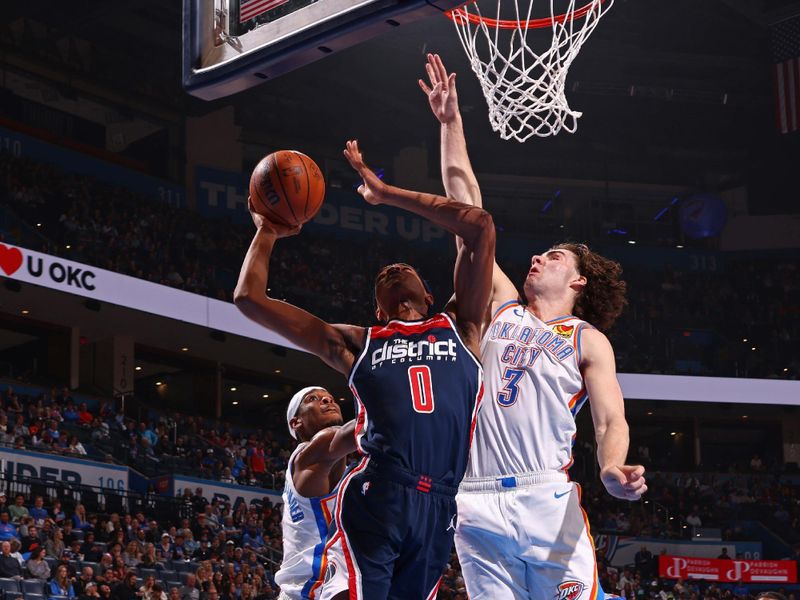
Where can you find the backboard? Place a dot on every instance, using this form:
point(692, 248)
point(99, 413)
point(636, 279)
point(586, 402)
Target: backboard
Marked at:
point(232, 45)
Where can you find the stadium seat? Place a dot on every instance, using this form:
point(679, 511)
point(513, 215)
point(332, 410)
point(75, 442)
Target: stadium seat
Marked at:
point(9, 586)
point(77, 534)
point(168, 575)
point(147, 573)
point(181, 566)
point(33, 586)
point(52, 561)
point(28, 596)
point(184, 576)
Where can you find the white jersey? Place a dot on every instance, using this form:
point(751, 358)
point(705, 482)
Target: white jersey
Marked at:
point(305, 530)
point(533, 390)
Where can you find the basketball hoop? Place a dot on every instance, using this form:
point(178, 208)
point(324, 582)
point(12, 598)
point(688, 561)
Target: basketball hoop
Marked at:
point(525, 88)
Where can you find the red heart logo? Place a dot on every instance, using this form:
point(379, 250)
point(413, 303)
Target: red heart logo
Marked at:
point(10, 259)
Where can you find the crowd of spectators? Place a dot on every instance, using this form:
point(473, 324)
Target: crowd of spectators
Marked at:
point(673, 323)
point(210, 550)
point(161, 443)
point(676, 504)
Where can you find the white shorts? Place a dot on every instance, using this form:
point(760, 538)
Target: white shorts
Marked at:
point(333, 581)
point(336, 575)
point(525, 538)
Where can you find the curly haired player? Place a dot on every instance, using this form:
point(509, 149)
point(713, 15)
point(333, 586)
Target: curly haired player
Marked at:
point(521, 531)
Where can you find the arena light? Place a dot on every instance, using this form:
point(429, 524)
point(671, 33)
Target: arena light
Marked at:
point(753, 348)
point(679, 246)
point(184, 349)
point(744, 416)
point(233, 389)
point(744, 339)
point(631, 241)
point(673, 433)
point(25, 311)
point(137, 368)
point(277, 370)
point(38, 224)
point(265, 396)
point(159, 383)
point(235, 402)
point(786, 370)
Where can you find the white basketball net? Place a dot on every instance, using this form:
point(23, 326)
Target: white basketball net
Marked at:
point(526, 91)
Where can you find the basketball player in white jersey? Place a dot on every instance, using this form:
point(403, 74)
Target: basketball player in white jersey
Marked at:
point(313, 473)
point(521, 532)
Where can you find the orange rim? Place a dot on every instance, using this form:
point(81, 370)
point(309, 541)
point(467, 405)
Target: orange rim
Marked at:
point(460, 14)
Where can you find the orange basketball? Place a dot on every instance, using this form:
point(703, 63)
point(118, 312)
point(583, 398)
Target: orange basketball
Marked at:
point(287, 187)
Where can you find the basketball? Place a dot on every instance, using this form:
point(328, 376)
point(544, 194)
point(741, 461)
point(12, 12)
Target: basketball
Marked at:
point(287, 187)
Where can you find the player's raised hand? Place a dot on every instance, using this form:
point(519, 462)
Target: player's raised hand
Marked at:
point(373, 189)
point(261, 222)
point(441, 92)
point(625, 482)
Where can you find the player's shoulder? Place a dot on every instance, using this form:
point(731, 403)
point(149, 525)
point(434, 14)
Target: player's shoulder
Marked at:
point(594, 344)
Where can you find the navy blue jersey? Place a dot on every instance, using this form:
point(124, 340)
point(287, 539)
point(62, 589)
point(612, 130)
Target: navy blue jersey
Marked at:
point(417, 390)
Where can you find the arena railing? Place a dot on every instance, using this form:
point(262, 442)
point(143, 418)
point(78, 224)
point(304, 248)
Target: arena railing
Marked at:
point(95, 499)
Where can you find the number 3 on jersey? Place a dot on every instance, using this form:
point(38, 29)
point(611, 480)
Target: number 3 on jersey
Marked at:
point(508, 395)
point(419, 378)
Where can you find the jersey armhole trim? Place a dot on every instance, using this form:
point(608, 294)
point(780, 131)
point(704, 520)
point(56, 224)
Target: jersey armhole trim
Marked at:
point(357, 361)
point(578, 351)
point(502, 307)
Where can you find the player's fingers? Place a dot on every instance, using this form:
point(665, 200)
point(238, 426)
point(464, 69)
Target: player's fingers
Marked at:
point(635, 472)
point(451, 81)
point(431, 73)
point(440, 68)
point(424, 87)
point(635, 485)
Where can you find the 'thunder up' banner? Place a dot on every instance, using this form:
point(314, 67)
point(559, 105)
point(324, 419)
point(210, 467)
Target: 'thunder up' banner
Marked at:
point(727, 571)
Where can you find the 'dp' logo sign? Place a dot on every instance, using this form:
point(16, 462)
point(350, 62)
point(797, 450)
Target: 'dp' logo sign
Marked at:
point(10, 259)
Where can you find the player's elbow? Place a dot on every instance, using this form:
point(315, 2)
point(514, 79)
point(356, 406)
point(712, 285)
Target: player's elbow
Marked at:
point(243, 300)
point(483, 233)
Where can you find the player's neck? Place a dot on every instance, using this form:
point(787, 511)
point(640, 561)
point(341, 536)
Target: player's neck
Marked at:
point(407, 311)
point(547, 309)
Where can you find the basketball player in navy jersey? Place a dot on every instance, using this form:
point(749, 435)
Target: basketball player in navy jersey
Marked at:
point(521, 531)
point(312, 475)
point(417, 386)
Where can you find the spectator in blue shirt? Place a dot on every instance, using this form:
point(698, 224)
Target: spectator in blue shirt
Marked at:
point(38, 512)
point(70, 413)
point(79, 520)
point(60, 585)
point(253, 539)
point(7, 529)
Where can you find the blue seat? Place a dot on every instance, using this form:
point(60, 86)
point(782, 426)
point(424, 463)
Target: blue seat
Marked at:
point(147, 573)
point(28, 596)
point(33, 586)
point(169, 575)
point(10, 586)
point(184, 575)
point(95, 566)
point(182, 566)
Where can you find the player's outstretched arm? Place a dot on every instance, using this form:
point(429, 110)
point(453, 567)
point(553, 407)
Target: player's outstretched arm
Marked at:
point(474, 265)
point(328, 446)
point(336, 346)
point(622, 481)
point(458, 176)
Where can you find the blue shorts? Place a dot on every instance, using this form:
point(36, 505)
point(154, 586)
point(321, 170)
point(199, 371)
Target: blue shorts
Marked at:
point(394, 532)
